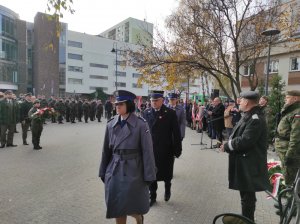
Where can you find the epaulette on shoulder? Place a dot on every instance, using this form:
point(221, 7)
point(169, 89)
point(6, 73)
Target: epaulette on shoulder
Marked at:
point(143, 119)
point(110, 119)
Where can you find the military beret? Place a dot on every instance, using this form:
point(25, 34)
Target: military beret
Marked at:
point(36, 101)
point(8, 92)
point(123, 96)
point(250, 95)
point(157, 94)
point(172, 96)
point(293, 93)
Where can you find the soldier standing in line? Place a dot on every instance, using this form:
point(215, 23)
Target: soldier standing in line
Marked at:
point(37, 122)
point(72, 106)
point(9, 115)
point(25, 106)
point(99, 110)
point(86, 110)
point(79, 110)
point(67, 109)
point(287, 141)
point(180, 112)
point(108, 109)
point(61, 109)
point(247, 149)
point(52, 103)
point(93, 106)
point(166, 139)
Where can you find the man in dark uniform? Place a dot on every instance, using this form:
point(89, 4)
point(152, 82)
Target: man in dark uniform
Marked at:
point(86, 110)
point(68, 110)
point(247, 148)
point(52, 103)
point(108, 109)
point(9, 116)
point(180, 112)
point(79, 110)
point(72, 107)
point(99, 110)
point(25, 106)
point(37, 122)
point(166, 139)
point(61, 109)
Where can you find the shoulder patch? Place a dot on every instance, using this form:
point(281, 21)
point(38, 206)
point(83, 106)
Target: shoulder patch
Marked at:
point(141, 118)
point(255, 116)
point(110, 119)
point(297, 116)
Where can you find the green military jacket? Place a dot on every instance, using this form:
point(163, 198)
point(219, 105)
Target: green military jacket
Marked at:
point(9, 113)
point(288, 133)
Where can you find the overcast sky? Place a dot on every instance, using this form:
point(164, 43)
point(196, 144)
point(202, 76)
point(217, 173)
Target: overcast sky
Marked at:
point(95, 16)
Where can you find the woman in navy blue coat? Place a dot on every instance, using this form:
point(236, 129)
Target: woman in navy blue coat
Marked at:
point(127, 166)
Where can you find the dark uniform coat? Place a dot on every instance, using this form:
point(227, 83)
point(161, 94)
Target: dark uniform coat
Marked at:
point(181, 117)
point(127, 166)
point(247, 147)
point(166, 140)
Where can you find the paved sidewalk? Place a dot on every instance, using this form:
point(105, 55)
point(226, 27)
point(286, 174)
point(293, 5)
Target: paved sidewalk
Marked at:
point(59, 183)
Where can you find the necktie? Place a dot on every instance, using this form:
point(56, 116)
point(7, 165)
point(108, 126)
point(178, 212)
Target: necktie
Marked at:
point(122, 123)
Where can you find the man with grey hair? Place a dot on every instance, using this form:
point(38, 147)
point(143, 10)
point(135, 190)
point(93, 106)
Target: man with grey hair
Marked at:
point(247, 149)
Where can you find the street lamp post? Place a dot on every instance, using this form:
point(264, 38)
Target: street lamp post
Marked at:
point(115, 50)
point(269, 32)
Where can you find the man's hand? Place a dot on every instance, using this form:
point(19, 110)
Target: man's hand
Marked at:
point(222, 148)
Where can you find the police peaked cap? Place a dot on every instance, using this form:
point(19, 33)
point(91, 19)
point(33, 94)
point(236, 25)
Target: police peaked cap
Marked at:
point(250, 95)
point(157, 94)
point(293, 93)
point(123, 96)
point(172, 96)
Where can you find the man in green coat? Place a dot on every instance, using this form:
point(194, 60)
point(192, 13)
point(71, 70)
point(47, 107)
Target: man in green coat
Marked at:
point(247, 148)
point(37, 122)
point(287, 141)
point(25, 106)
point(9, 115)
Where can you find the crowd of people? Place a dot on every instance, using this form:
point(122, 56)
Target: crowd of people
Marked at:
point(143, 139)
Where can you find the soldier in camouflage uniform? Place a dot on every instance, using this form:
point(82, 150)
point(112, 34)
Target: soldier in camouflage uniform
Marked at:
point(61, 109)
point(287, 141)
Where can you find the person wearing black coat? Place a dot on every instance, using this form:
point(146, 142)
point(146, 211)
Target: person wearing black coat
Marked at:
point(166, 139)
point(86, 110)
point(217, 119)
point(247, 149)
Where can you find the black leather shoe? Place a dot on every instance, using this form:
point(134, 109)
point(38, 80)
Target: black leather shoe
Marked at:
point(11, 145)
point(2, 146)
point(167, 196)
point(36, 148)
point(152, 202)
point(25, 143)
point(40, 147)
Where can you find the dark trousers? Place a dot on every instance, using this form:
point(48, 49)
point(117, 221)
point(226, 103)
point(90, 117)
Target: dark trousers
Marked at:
point(248, 200)
point(10, 134)
point(153, 188)
point(25, 125)
point(36, 131)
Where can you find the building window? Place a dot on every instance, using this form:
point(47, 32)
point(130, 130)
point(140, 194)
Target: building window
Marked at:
point(72, 43)
point(248, 70)
point(136, 75)
point(135, 85)
point(295, 64)
point(121, 84)
point(273, 68)
point(121, 74)
point(98, 77)
point(98, 65)
point(75, 81)
point(75, 56)
point(96, 87)
point(121, 63)
point(74, 68)
point(62, 76)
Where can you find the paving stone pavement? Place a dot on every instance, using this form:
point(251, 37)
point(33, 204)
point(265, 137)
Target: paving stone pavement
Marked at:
point(59, 184)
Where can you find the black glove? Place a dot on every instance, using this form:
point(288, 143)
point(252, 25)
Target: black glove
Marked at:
point(177, 155)
point(103, 179)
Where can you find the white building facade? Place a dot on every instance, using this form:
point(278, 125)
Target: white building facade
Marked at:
point(90, 64)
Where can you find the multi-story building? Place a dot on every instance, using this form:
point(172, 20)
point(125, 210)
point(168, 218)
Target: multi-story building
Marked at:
point(284, 54)
point(131, 31)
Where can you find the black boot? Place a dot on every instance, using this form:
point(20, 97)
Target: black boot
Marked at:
point(167, 191)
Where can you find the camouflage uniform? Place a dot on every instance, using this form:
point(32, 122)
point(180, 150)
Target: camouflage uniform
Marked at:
point(287, 141)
